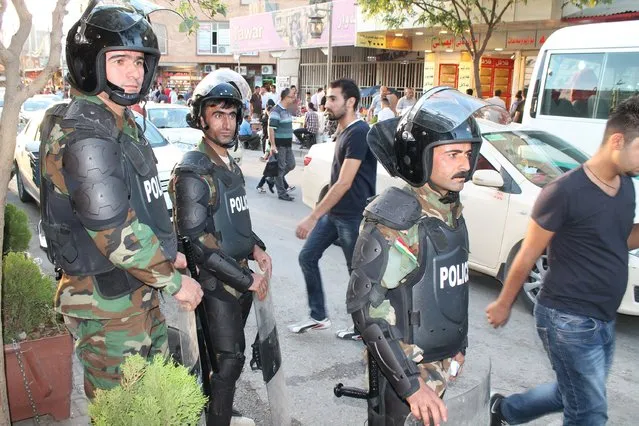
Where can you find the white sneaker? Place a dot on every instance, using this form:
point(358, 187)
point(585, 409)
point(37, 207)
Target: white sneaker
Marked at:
point(309, 324)
point(241, 421)
point(348, 334)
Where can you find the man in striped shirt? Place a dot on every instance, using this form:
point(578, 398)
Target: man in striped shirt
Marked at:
point(280, 133)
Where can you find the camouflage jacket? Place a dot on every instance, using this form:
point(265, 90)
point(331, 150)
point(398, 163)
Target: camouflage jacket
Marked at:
point(207, 239)
point(404, 252)
point(131, 246)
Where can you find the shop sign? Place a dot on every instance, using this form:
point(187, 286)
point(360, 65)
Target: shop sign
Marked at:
point(371, 40)
point(464, 78)
point(518, 40)
point(442, 43)
point(288, 28)
point(429, 74)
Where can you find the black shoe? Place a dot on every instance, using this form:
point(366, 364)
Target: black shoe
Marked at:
point(286, 197)
point(496, 419)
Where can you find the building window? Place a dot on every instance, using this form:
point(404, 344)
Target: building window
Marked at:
point(214, 38)
point(160, 33)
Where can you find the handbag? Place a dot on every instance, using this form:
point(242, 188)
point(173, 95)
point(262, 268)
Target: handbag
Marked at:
point(271, 169)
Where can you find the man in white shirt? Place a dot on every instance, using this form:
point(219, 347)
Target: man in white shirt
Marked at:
point(316, 99)
point(173, 95)
point(386, 112)
point(376, 104)
point(407, 101)
point(496, 100)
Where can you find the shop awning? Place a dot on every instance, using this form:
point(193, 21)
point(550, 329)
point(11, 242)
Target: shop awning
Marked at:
point(618, 10)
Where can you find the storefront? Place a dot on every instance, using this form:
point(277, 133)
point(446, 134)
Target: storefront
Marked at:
point(179, 77)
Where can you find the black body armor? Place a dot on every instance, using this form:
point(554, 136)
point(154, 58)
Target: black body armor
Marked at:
point(107, 172)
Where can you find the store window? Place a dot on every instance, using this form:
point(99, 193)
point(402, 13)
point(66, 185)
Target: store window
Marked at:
point(589, 85)
point(160, 33)
point(214, 38)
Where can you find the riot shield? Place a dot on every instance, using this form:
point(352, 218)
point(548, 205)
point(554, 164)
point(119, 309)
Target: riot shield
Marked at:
point(467, 398)
point(271, 360)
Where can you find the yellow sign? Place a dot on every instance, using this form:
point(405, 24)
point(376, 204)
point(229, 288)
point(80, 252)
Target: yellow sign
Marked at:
point(371, 40)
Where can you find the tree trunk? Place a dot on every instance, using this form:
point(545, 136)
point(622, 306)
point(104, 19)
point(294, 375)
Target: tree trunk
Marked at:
point(15, 95)
point(13, 99)
point(476, 63)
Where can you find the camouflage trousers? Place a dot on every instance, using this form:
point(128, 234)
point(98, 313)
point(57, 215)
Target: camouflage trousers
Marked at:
point(103, 345)
point(435, 374)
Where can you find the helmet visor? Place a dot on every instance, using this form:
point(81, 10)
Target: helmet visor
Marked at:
point(443, 109)
point(132, 12)
point(223, 75)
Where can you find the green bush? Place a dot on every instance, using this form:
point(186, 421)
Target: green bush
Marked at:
point(27, 297)
point(160, 393)
point(16, 230)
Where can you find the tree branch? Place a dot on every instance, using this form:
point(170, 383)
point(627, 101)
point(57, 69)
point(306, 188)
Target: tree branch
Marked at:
point(19, 38)
point(482, 11)
point(55, 49)
point(5, 57)
point(501, 14)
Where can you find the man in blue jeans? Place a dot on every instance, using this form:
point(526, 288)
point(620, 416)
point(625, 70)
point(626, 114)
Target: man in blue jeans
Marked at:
point(585, 218)
point(339, 214)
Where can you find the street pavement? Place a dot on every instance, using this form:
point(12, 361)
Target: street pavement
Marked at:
point(315, 361)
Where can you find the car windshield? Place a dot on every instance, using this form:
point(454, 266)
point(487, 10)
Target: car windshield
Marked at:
point(37, 104)
point(151, 133)
point(539, 156)
point(168, 118)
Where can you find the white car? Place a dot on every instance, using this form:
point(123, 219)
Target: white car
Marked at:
point(27, 154)
point(515, 163)
point(170, 119)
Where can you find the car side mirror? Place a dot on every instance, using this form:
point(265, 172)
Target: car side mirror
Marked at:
point(489, 178)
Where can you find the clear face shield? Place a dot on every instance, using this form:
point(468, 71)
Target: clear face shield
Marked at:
point(442, 115)
point(222, 75)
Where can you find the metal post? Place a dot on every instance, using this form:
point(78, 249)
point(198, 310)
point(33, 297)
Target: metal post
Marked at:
point(329, 62)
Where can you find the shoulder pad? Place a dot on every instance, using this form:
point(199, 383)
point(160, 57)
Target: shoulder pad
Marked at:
point(394, 208)
point(88, 116)
point(194, 161)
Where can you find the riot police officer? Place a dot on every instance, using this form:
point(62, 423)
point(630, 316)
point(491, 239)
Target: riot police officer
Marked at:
point(106, 226)
point(408, 292)
point(210, 208)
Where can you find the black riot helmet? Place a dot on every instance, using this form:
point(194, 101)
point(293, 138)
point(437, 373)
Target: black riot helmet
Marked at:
point(107, 28)
point(404, 145)
point(222, 86)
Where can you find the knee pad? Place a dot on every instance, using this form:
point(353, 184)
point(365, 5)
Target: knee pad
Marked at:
point(229, 367)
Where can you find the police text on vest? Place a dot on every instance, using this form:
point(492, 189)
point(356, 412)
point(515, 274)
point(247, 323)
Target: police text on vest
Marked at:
point(152, 186)
point(238, 204)
point(454, 275)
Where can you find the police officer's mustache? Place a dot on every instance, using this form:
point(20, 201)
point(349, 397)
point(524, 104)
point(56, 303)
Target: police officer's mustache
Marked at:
point(460, 175)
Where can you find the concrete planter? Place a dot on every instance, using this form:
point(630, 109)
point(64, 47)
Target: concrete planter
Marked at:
point(48, 368)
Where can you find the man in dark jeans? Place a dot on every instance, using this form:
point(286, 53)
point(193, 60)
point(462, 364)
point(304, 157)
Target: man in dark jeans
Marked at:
point(585, 218)
point(339, 214)
point(280, 133)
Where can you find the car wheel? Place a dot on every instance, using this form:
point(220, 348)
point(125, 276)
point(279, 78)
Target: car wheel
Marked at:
point(534, 282)
point(22, 193)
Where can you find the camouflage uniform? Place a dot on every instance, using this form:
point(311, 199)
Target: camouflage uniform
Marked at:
point(402, 262)
point(108, 330)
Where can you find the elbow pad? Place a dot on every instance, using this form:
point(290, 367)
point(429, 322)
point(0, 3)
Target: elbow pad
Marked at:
point(96, 182)
point(226, 269)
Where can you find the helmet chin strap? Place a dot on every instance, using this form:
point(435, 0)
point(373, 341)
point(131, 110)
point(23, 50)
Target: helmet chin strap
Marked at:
point(449, 198)
point(117, 95)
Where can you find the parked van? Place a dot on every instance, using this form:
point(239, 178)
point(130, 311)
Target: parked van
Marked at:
point(581, 74)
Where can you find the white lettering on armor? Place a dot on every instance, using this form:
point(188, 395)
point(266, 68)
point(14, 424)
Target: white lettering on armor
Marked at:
point(238, 204)
point(455, 275)
point(152, 186)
